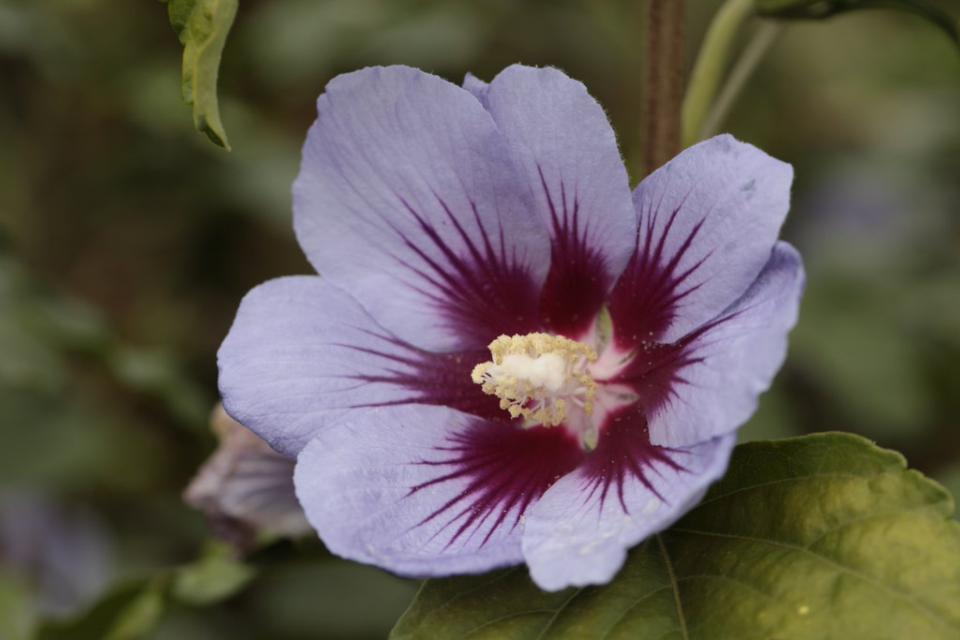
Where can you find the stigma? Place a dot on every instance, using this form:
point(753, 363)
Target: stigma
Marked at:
point(538, 377)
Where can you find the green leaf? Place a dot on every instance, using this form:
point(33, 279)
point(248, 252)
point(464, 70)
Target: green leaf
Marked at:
point(304, 596)
point(824, 536)
point(141, 616)
point(16, 609)
point(817, 9)
point(215, 577)
point(158, 373)
point(134, 609)
point(129, 611)
point(202, 26)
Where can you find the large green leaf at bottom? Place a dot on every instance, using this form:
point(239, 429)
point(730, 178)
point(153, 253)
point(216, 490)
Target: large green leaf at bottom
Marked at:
point(819, 537)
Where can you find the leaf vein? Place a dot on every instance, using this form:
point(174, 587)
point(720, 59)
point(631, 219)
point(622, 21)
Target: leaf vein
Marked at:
point(504, 618)
point(930, 613)
point(676, 588)
point(556, 614)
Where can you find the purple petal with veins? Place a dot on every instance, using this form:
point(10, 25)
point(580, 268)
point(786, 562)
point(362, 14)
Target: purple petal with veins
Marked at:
point(508, 357)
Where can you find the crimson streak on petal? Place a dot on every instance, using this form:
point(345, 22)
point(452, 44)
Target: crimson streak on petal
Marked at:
point(646, 298)
point(482, 294)
point(506, 469)
point(656, 370)
point(623, 452)
point(430, 378)
point(578, 279)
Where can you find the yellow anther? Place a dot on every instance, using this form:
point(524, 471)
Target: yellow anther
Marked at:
point(536, 375)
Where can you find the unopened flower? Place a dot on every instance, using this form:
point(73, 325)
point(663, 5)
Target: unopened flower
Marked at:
point(507, 358)
point(245, 488)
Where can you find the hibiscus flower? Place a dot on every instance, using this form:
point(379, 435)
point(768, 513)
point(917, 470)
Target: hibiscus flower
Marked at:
point(508, 357)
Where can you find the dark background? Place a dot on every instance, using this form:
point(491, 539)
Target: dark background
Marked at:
point(127, 240)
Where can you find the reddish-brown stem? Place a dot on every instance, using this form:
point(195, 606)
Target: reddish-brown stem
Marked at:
point(663, 82)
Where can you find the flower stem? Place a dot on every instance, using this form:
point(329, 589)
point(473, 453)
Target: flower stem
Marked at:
point(743, 68)
point(663, 81)
point(711, 64)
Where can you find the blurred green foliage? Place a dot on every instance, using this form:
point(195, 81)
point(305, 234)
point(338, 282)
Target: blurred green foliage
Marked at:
point(126, 242)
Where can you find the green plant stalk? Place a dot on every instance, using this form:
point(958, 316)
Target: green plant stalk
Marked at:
point(712, 62)
point(743, 69)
